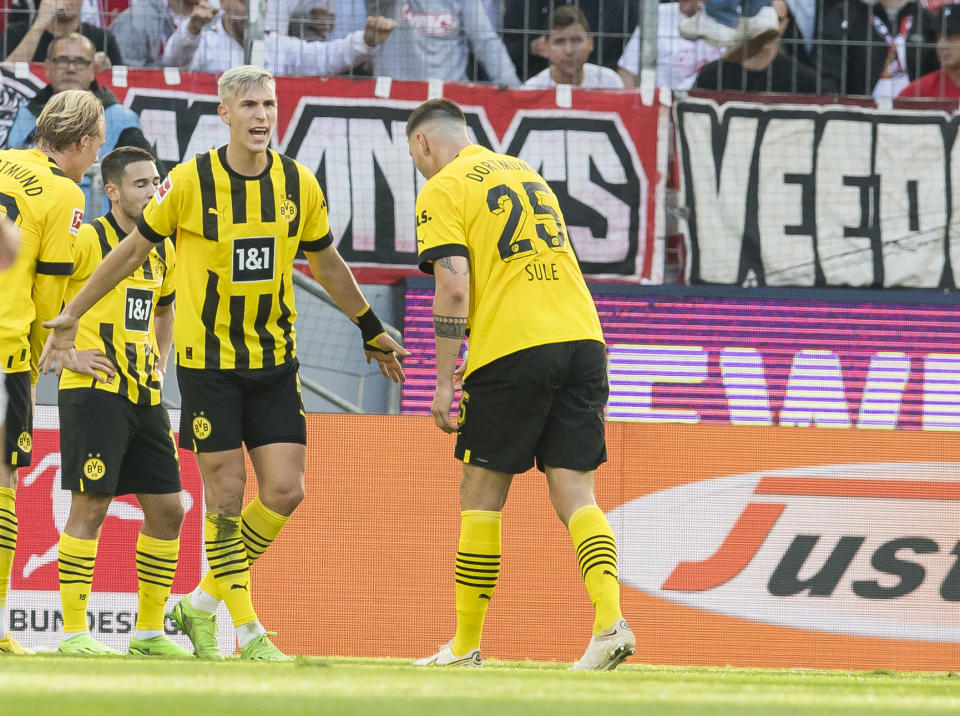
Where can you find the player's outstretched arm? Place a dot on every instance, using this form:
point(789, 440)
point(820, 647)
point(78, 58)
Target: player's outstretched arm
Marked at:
point(120, 263)
point(329, 268)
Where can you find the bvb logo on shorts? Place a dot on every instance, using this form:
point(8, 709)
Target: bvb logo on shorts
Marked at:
point(201, 427)
point(24, 442)
point(288, 210)
point(93, 468)
point(462, 407)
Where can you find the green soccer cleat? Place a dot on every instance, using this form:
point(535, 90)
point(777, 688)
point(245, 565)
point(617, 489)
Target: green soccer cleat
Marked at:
point(200, 627)
point(86, 645)
point(157, 646)
point(9, 645)
point(262, 649)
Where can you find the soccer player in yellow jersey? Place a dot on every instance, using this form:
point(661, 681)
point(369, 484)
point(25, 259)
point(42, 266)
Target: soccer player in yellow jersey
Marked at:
point(534, 384)
point(38, 193)
point(240, 213)
point(115, 436)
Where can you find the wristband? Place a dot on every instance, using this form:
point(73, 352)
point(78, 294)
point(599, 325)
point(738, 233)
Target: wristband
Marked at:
point(370, 328)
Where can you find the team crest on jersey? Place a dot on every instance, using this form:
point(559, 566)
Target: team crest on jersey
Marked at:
point(94, 468)
point(287, 210)
point(25, 442)
point(76, 221)
point(163, 189)
point(201, 427)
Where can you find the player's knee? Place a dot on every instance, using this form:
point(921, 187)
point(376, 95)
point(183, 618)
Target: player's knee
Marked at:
point(283, 499)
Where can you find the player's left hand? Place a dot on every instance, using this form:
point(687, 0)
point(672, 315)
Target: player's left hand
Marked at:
point(388, 357)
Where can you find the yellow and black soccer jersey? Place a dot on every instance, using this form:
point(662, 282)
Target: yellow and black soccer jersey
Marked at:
point(48, 207)
point(526, 288)
point(121, 323)
point(236, 240)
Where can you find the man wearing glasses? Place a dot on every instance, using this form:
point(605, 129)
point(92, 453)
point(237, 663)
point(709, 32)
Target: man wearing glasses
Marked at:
point(70, 65)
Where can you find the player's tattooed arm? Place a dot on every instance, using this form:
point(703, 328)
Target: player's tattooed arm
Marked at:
point(449, 326)
point(446, 263)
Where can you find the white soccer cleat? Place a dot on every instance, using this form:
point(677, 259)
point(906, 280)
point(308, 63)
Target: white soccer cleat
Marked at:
point(446, 657)
point(765, 25)
point(702, 26)
point(607, 649)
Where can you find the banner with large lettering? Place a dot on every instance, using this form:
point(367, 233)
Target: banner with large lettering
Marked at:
point(604, 155)
point(829, 195)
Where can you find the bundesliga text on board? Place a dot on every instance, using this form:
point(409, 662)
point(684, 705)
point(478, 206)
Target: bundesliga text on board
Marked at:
point(33, 605)
point(859, 549)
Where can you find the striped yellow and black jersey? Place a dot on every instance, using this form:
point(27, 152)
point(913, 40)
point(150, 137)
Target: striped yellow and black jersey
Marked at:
point(526, 288)
point(121, 323)
point(48, 207)
point(236, 239)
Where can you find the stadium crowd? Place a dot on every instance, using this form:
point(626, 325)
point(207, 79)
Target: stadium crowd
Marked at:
point(883, 48)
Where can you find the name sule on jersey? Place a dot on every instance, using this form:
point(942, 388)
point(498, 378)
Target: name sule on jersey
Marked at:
point(537, 270)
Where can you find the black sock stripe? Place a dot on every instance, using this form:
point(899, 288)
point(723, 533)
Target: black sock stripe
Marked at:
point(256, 536)
point(220, 575)
point(147, 573)
point(488, 563)
point(474, 570)
point(490, 585)
point(88, 564)
point(597, 564)
point(591, 541)
point(76, 581)
point(599, 549)
point(472, 554)
point(74, 556)
point(159, 584)
point(155, 558)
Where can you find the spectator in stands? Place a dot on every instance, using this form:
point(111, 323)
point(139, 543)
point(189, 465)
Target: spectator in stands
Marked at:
point(881, 45)
point(29, 42)
point(944, 82)
point(569, 44)
point(218, 45)
point(433, 40)
point(143, 28)
point(70, 66)
point(678, 60)
point(525, 24)
point(760, 67)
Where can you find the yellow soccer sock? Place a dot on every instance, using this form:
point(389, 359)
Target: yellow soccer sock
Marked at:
point(228, 563)
point(8, 544)
point(156, 565)
point(477, 569)
point(597, 556)
point(259, 526)
point(75, 560)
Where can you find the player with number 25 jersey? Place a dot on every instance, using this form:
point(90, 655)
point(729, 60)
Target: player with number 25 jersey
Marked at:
point(482, 195)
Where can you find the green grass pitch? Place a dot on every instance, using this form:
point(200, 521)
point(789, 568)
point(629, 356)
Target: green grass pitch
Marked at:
point(72, 686)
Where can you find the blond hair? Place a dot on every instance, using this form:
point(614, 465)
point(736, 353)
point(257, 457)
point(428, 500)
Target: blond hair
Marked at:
point(235, 80)
point(68, 117)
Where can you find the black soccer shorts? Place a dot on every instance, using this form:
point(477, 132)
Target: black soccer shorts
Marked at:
point(542, 405)
point(111, 446)
point(224, 409)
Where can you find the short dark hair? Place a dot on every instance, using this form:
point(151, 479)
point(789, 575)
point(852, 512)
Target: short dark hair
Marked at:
point(567, 15)
point(113, 164)
point(432, 108)
point(73, 36)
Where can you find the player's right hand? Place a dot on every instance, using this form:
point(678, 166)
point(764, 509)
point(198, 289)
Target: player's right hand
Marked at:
point(59, 342)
